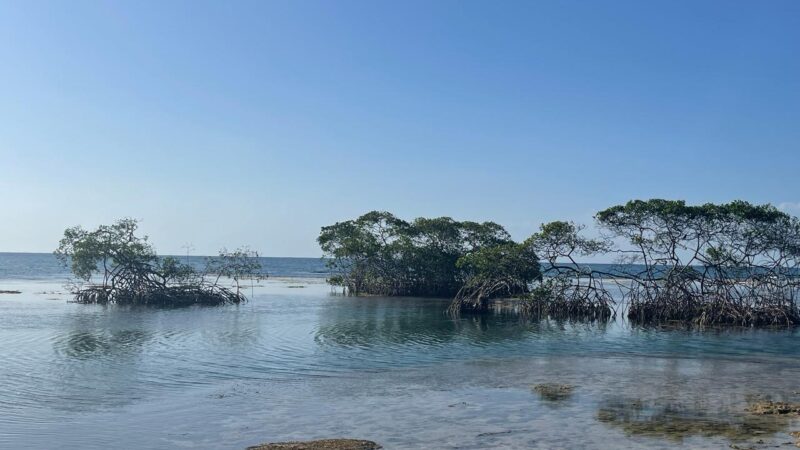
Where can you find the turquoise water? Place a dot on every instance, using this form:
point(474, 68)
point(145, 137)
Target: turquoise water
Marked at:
point(298, 362)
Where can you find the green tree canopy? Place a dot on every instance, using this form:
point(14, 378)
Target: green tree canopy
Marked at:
point(121, 267)
point(377, 253)
point(715, 263)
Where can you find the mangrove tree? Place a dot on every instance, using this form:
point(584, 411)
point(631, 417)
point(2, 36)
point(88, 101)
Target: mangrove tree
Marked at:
point(112, 264)
point(381, 254)
point(713, 264)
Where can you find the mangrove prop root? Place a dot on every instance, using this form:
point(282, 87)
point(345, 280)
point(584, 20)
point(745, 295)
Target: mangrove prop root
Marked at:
point(178, 295)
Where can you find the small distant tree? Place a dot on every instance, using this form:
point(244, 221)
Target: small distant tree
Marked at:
point(113, 251)
point(115, 265)
point(237, 265)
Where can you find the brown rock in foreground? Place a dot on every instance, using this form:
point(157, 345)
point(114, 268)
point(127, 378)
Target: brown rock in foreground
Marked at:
point(322, 444)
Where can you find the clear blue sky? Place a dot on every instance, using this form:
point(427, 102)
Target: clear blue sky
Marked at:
point(228, 123)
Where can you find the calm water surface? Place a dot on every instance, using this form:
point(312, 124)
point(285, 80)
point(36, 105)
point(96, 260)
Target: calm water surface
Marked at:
point(298, 363)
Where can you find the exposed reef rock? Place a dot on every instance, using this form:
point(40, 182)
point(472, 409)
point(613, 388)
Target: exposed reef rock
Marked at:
point(770, 407)
point(323, 444)
point(553, 391)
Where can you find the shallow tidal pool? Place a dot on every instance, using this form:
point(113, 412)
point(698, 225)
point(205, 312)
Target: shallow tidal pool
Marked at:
point(299, 363)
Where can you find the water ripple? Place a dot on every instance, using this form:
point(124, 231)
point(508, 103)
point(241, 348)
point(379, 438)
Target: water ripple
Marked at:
point(61, 359)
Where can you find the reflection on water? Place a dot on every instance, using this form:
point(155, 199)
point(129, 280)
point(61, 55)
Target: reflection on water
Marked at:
point(115, 344)
point(379, 322)
point(416, 331)
point(370, 323)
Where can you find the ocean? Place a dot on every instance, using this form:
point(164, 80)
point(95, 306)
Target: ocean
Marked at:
point(298, 361)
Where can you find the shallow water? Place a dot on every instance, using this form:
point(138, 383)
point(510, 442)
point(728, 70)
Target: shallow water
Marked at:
point(299, 363)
